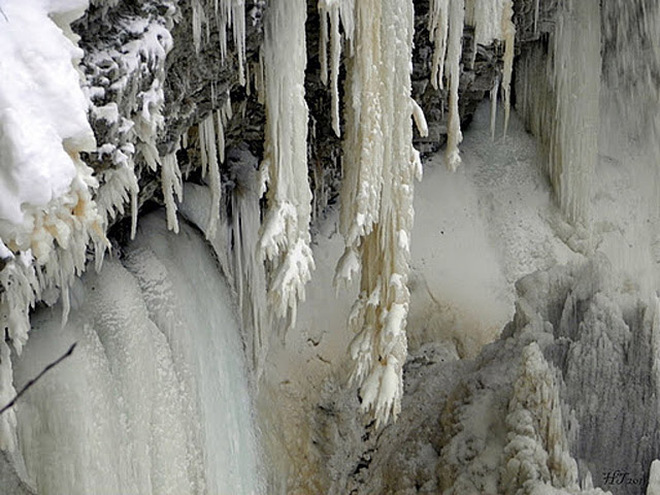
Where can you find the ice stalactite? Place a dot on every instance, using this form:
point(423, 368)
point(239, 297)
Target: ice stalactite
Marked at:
point(567, 122)
point(509, 35)
point(250, 281)
point(285, 237)
point(446, 21)
point(332, 11)
point(380, 165)
point(492, 20)
point(123, 70)
point(438, 32)
point(454, 50)
point(170, 175)
point(210, 144)
point(225, 13)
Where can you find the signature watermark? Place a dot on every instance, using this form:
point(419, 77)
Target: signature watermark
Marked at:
point(623, 478)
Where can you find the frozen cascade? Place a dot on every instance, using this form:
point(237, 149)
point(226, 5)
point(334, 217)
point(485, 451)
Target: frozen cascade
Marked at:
point(558, 96)
point(155, 397)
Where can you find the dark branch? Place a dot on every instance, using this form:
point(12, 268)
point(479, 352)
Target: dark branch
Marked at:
point(35, 380)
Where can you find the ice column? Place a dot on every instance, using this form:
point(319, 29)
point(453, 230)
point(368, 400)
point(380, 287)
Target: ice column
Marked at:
point(376, 219)
point(284, 240)
point(567, 122)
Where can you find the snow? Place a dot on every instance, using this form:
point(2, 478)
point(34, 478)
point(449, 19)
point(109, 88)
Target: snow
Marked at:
point(45, 188)
point(43, 112)
point(478, 230)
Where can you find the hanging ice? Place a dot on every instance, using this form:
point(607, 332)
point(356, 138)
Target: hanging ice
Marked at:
point(376, 218)
point(285, 236)
point(492, 20)
point(226, 13)
point(568, 123)
point(333, 11)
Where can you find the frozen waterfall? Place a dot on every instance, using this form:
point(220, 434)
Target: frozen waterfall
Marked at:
point(155, 397)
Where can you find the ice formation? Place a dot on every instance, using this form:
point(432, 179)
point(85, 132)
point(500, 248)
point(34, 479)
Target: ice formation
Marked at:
point(209, 146)
point(559, 98)
point(492, 21)
point(380, 165)
point(225, 13)
point(155, 397)
point(285, 238)
point(333, 11)
point(537, 454)
point(45, 226)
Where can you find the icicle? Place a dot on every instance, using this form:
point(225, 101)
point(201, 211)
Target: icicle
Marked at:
point(536, 17)
point(207, 144)
point(493, 106)
point(380, 165)
point(171, 182)
point(438, 32)
point(330, 10)
point(250, 284)
point(226, 12)
point(285, 235)
point(453, 67)
point(238, 29)
point(509, 32)
point(420, 120)
point(492, 20)
point(323, 42)
point(197, 20)
point(335, 54)
point(227, 110)
point(221, 136)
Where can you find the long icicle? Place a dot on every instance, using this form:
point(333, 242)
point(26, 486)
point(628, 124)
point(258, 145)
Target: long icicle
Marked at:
point(380, 165)
point(285, 234)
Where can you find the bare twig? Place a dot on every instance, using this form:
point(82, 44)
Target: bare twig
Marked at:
point(6, 19)
point(43, 372)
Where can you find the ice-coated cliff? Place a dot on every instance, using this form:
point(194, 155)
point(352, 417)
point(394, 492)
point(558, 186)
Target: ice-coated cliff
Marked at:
point(401, 247)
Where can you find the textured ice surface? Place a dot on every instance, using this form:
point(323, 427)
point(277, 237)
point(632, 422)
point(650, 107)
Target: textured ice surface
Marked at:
point(154, 399)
